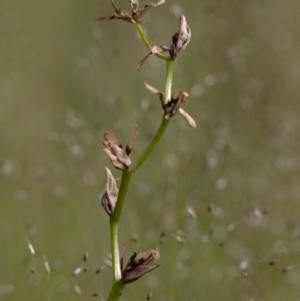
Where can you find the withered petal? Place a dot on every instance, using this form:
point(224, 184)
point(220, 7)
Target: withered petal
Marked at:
point(134, 4)
point(118, 157)
point(111, 186)
point(156, 92)
point(110, 195)
point(138, 272)
point(154, 4)
point(191, 122)
point(184, 34)
point(152, 89)
point(111, 138)
point(155, 49)
point(106, 204)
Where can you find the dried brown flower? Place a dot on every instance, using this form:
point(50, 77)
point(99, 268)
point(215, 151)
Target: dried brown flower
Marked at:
point(138, 265)
point(117, 154)
point(180, 39)
point(119, 14)
point(136, 13)
point(172, 106)
point(115, 151)
point(110, 195)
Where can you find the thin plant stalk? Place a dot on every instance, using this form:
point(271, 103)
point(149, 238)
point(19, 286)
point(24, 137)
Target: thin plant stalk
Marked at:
point(116, 291)
point(169, 79)
point(152, 144)
point(118, 286)
point(113, 200)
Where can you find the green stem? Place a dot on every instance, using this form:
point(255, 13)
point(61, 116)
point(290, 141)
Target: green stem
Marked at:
point(143, 35)
point(146, 41)
point(116, 291)
point(114, 223)
point(115, 251)
point(153, 143)
point(169, 79)
point(164, 122)
point(126, 176)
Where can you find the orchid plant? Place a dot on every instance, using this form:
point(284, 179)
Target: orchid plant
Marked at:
point(113, 197)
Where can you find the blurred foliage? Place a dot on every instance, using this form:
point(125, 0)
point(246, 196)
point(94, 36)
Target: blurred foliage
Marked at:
point(221, 203)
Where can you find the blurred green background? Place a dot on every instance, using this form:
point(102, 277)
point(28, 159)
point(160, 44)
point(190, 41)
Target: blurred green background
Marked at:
point(220, 203)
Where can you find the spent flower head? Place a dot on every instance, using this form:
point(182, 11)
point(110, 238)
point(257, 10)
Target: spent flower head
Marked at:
point(136, 12)
point(180, 40)
point(138, 264)
point(173, 105)
point(110, 195)
point(115, 151)
point(113, 148)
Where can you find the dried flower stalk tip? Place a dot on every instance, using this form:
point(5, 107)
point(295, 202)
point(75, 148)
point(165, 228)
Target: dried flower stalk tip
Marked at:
point(138, 265)
point(136, 13)
point(172, 106)
point(110, 195)
point(113, 148)
point(180, 39)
